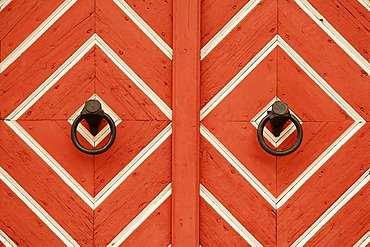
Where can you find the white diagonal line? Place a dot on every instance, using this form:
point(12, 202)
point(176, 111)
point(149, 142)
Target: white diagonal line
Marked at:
point(364, 241)
point(3, 4)
point(238, 166)
point(53, 164)
point(134, 77)
point(228, 217)
point(325, 217)
point(45, 86)
point(37, 209)
point(134, 163)
point(161, 44)
point(334, 34)
point(36, 34)
point(365, 3)
point(6, 240)
point(244, 72)
point(227, 28)
point(141, 217)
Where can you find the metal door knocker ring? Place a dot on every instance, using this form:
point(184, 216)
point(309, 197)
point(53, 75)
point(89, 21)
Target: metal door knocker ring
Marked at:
point(278, 117)
point(93, 114)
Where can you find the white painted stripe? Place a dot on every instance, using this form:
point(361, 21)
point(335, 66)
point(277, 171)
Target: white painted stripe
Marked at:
point(141, 217)
point(134, 163)
point(238, 78)
point(325, 217)
point(228, 27)
point(6, 240)
point(365, 3)
point(364, 241)
point(228, 217)
point(37, 209)
point(238, 166)
point(334, 34)
point(36, 34)
point(53, 164)
point(45, 86)
point(319, 80)
point(161, 44)
point(134, 77)
point(3, 4)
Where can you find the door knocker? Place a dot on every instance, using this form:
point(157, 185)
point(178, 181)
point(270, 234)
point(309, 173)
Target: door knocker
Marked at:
point(278, 117)
point(93, 114)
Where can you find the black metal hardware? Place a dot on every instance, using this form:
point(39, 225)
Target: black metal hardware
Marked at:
point(93, 114)
point(278, 117)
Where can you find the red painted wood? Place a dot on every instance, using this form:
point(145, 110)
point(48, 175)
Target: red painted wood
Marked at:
point(135, 48)
point(157, 14)
point(185, 142)
point(324, 188)
point(348, 225)
point(52, 49)
point(20, 19)
point(324, 56)
point(237, 49)
point(13, 217)
point(215, 231)
point(216, 14)
point(154, 230)
point(46, 187)
point(350, 19)
point(237, 195)
point(133, 195)
point(230, 121)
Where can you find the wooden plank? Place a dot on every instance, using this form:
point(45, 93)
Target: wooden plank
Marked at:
point(185, 154)
point(324, 188)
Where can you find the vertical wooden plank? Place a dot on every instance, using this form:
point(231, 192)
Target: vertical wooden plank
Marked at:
point(185, 154)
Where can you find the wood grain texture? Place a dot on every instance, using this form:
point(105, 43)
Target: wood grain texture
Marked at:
point(46, 187)
point(157, 228)
point(51, 50)
point(237, 195)
point(215, 231)
point(216, 14)
point(348, 225)
point(20, 224)
point(237, 49)
point(157, 14)
point(132, 196)
point(20, 19)
point(324, 188)
point(325, 56)
point(185, 145)
point(350, 19)
point(135, 48)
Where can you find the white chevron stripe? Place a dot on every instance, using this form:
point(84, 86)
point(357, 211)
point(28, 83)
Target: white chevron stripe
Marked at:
point(238, 78)
point(238, 166)
point(37, 209)
point(228, 217)
point(44, 87)
point(6, 240)
point(329, 152)
point(365, 3)
point(334, 34)
point(36, 34)
point(228, 27)
point(162, 45)
point(364, 241)
point(325, 217)
point(3, 4)
point(141, 217)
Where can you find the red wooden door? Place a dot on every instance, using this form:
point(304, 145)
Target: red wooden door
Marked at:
point(153, 187)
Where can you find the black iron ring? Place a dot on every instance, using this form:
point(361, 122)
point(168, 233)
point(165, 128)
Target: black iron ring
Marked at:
point(265, 147)
point(93, 151)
